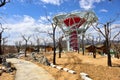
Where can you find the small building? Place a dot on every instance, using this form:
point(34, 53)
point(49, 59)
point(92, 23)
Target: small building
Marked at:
point(90, 48)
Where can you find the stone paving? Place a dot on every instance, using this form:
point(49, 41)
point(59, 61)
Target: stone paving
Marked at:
point(29, 71)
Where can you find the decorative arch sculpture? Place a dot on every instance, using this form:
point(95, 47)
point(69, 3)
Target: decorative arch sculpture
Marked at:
point(75, 23)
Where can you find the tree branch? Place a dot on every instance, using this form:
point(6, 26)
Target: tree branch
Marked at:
point(98, 29)
point(116, 35)
point(3, 2)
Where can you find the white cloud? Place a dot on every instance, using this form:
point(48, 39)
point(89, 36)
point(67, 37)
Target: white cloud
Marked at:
point(54, 2)
point(43, 19)
point(103, 10)
point(42, 2)
point(88, 4)
point(26, 25)
point(28, 19)
point(22, 0)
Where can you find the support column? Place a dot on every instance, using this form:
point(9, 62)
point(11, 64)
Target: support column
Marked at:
point(83, 46)
point(68, 44)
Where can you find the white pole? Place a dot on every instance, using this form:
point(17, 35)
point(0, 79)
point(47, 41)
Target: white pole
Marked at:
point(68, 44)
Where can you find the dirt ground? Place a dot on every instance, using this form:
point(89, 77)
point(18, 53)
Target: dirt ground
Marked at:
point(96, 68)
point(7, 76)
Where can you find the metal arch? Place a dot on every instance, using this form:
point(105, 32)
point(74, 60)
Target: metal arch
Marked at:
point(89, 16)
point(84, 14)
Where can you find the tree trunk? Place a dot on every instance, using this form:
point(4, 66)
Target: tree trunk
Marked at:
point(0, 48)
point(45, 48)
point(38, 48)
point(0, 44)
point(94, 51)
point(93, 48)
point(117, 55)
point(59, 54)
point(18, 50)
point(3, 49)
point(83, 44)
point(109, 62)
point(60, 46)
point(60, 50)
point(26, 50)
point(94, 54)
point(54, 54)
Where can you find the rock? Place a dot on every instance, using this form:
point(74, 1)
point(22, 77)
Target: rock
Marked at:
point(52, 65)
point(8, 70)
point(3, 61)
point(85, 76)
point(1, 71)
point(58, 67)
point(45, 61)
point(40, 58)
point(20, 55)
point(8, 64)
point(33, 56)
point(11, 55)
point(71, 71)
point(65, 69)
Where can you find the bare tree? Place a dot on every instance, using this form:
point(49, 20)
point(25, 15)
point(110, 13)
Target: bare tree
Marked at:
point(18, 45)
point(98, 38)
point(26, 39)
point(4, 40)
point(52, 35)
point(60, 46)
point(93, 47)
point(45, 43)
point(83, 45)
point(37, 39)
point(54, 42)
point(54, 26)
point(2, 29)
point(107, 35)
point(91, 39)
point(3, 2)
point(44, 40)
point(117, 45)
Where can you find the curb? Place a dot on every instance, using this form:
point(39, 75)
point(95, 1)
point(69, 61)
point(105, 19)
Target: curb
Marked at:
point(61, 68)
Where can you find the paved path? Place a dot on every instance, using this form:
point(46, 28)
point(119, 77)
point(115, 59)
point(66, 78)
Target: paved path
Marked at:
point(29, 71)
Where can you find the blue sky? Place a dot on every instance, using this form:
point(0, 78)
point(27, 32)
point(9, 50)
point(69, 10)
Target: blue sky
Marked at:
point(23, 16)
